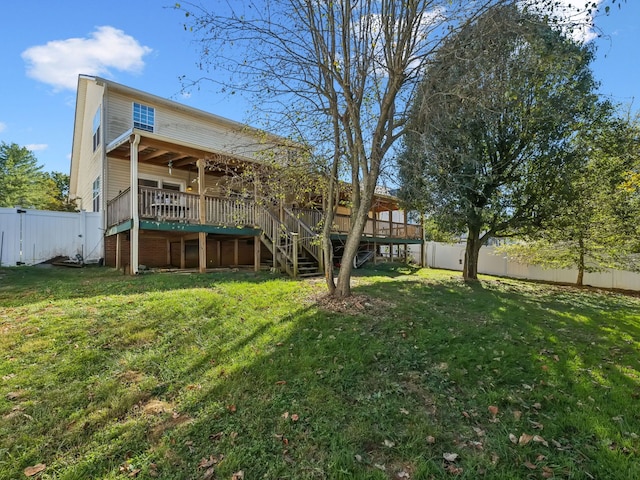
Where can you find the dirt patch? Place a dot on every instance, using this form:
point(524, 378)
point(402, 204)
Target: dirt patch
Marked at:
point(131, 376)
point(157, 407)
point(353, 305)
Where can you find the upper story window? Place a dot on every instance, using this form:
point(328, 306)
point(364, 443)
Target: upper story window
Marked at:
point(143, 117)
point(97, 118)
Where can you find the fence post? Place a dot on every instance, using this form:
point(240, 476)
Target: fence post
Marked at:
point(295, 238)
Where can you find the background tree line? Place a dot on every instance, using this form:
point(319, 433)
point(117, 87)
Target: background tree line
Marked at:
point(24, 184)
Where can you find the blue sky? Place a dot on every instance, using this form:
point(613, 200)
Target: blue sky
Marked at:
point(142, 44)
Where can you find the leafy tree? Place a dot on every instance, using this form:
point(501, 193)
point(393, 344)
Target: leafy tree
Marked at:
point(23, 183)
point(21, 177)
point(596, 227)
point(490, 145)
point(335, 76)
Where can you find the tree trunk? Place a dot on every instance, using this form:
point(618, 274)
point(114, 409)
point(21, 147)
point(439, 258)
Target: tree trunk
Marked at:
point(343, 288)
point(470, 268)
point(580, 278)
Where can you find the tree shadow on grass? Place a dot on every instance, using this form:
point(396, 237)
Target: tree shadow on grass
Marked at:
point(310, 392)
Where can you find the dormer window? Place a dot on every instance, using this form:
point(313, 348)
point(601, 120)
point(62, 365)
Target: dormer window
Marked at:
point(143, 117)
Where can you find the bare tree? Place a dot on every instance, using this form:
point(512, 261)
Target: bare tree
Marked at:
point(335, 75)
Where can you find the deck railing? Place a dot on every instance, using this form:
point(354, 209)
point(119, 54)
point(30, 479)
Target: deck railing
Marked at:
point(173, 206)
point(373, 228)
point(168, 205)
point(309, 239)
point(119, 209)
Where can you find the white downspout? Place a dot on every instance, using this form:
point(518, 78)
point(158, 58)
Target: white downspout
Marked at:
point(135, 220)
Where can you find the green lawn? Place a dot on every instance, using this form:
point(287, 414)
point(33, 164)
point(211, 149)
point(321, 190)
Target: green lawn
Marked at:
point(419, 376)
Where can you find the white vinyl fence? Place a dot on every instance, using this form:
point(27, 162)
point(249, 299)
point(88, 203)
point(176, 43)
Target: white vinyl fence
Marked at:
point(28, 237)
point(448, 256)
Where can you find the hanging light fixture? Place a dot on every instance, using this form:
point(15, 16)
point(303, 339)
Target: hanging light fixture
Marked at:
point(170, 165)
point(189, 187)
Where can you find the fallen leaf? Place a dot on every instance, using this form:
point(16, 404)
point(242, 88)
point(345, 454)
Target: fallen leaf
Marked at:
point(524, 439)
point(537, 406)
point(389, 443)
point(536, 425)
point(207, 462)
point(281, 382)
point(231, 408)
point(494, 458)
point(31, 471)
point(479, 431)
point(529, 465)
point(453, 470)
point(493, 410)
point(358, 458)
point(450, 457)
point(209, 474)
point(556, 358)
point(134, 473)
point(517, 414)
point(403, 474)
point(545, 368)
point(539, 439)
point(541, 458)
point(216, 436)
point(285, 415)
point(238, 475)
point(556, 444)
point(431, 440)
point(404, 411)
point(466, 415)
point(513, 439)
point(294, 417)
point(380, 467)
point(547, 472)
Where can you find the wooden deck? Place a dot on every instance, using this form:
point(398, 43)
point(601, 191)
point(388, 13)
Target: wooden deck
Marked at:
point(170, 206)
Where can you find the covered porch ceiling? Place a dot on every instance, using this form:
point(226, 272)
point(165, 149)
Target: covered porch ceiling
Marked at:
point(153, 151)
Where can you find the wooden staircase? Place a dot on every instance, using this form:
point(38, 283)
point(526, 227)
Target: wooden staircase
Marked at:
point(294, 245)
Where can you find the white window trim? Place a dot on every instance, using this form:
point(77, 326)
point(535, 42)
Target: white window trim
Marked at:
point(162, 180)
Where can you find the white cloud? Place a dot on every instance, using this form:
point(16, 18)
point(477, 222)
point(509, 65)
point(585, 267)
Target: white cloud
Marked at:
point(37, 147)
point(3, 126)
point(573, 16)
point(59, 62)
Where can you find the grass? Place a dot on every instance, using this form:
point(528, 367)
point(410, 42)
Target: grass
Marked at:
point(204, 376)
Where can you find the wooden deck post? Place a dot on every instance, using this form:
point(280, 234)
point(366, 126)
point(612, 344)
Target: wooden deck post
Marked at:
point(294, 239)
point(202, 236)
point(118, 251)
point(202, 251)
point(236, 243)
point(168, 252)
point(256, 253)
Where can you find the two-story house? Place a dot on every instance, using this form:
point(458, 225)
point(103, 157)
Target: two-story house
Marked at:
point(158, 170)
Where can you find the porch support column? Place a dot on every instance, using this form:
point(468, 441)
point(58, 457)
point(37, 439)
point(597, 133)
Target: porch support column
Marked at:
point(168, 252)
point(375, 224)
point(256, 253)
point(202, 236)
point(375, 253)
point(135, 219)
point(391, 223)
point(202, 251)
point(118, 251)
point(406, 231)
point(236, 245)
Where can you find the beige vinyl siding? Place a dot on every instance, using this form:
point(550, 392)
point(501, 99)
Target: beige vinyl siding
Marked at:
point(119, 172)
point(173, 124)
point(90, 167)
